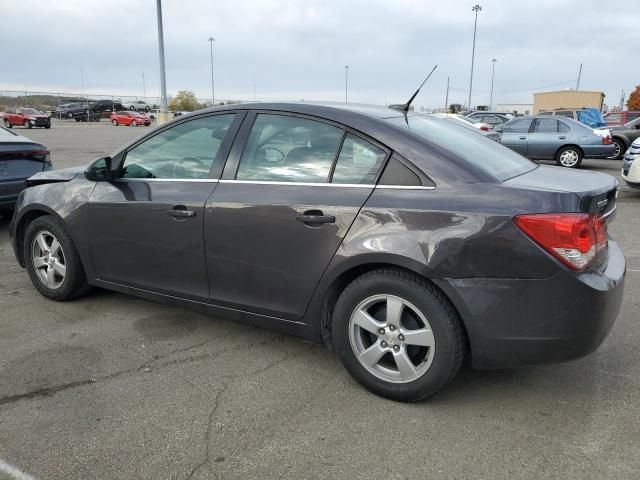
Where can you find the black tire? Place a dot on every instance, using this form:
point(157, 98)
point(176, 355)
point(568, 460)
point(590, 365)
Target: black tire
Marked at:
point(7, 123)
point(134, 123)
point(132, 108)
point(570, 151)
point(27, 124)
point(74, 283)
point(621, 147)
point(115, 122)
point(48, 125)
point(448, 332)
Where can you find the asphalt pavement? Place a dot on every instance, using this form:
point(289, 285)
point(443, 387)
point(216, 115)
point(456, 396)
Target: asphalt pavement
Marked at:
point(113, 387)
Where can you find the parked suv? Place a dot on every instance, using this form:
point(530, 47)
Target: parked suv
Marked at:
point(619, 118)
point(106, 106)
point(70, 109)
point(25, 117)
point(589, 116)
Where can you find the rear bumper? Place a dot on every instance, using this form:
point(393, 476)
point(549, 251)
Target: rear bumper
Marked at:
point(9, 192)
point(513, 322)
point(598, 151)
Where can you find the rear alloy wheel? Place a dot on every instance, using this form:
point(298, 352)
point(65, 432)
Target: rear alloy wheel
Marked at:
point(619, 149)
point(27, 124)
point(115, 122)
point(134, 123)
point(570, 157)
point(7, 123)
point(398, 335)
point(52, 261)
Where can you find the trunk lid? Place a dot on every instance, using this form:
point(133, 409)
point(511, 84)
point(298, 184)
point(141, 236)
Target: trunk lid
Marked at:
point(595, 192)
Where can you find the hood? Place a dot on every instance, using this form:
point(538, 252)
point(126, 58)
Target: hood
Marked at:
point(52, 176)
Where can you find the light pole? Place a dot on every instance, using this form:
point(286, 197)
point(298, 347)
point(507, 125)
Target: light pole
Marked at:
point(163, 81)
point(493, 73)
point(476, 8)
point(213, 91)
point(346, 83)
point(144, 88)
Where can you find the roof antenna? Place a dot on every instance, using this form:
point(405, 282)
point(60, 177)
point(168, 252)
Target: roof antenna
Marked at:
point(405, 107)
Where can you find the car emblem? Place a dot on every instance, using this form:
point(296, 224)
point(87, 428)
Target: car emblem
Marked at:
point(602, 203)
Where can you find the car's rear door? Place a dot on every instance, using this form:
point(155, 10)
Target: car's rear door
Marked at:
point(515, 134)
point(290, 191)
point(546, 137)
point(145, 229)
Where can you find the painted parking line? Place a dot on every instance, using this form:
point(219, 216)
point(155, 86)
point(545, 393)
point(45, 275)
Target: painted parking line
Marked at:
point(633, 270)
point(14, 472)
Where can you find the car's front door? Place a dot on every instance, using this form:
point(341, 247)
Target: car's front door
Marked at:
point(546, 137)
point(515, 134)
point(145, 228)
point(291, 189)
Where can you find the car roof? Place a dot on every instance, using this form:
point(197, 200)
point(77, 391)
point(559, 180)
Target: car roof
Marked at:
point(7, 136)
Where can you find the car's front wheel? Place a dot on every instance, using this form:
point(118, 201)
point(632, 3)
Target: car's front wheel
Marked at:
point(52, 261)
point(570, 157)
point(7, 123)
point(134, 123)
point(619, 148)
point(398, 335)
point(27, 124)
point(115, 122)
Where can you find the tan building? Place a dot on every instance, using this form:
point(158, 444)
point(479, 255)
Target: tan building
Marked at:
point(545, 101)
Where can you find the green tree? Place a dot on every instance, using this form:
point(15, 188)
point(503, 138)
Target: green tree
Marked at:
point(634, 99)
point(184, 101)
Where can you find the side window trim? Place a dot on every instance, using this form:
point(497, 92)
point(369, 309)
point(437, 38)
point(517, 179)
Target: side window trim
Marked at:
point(218, 161)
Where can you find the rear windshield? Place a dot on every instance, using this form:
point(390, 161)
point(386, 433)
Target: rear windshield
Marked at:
point(473, 147)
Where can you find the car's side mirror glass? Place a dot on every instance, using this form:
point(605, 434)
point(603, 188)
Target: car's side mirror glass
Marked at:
point(99, 170)
point(273, 155)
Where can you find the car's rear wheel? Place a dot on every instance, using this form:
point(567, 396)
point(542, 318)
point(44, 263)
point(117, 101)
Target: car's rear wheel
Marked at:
point(27, 124)
point(398, 335)
point(48, 125)
point(570, 157)
point(132, 107)
point(115, 122)
point(619, 149)
point(7, 123)
point(52, 261)
point(134, 123)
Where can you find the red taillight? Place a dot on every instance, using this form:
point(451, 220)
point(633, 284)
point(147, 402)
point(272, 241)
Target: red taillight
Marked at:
point(607, 140)
point(573, 238)
point(485, 128)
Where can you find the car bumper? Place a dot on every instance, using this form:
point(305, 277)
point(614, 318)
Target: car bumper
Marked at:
point(598, 151)
point(519, 322)
point(631, 170)
point(9, 192)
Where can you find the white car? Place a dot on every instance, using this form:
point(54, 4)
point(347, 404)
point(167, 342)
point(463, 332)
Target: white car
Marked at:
point(631, 165)
point(137, 105)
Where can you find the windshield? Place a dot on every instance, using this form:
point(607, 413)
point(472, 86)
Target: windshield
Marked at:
point(473, 147)
point(29, 111)
point(632, 123)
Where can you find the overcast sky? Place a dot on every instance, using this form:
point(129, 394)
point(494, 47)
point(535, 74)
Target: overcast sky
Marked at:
point(297, 49)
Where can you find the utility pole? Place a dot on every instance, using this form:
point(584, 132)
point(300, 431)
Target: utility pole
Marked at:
point(144, 88)
point(579, 75)
point(446, 98)
point(493, 73)
point(213, 90)
point(346, 83)
point(476, 8)
point(163, 81)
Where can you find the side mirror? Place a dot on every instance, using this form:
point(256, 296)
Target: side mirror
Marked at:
point(99, 170)
point(273, 155)
point(638, 126)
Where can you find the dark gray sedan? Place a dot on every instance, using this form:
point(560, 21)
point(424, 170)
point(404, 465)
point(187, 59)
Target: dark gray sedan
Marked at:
point(20, 158)
point(404, 241)
point(555, 138)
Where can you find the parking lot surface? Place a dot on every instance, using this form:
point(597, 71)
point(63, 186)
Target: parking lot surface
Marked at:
point(111, 386)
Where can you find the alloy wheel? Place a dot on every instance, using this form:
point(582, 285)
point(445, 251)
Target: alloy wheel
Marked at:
point(48, 259)
point(391, 338)
point(616, 150)
point(569, 158)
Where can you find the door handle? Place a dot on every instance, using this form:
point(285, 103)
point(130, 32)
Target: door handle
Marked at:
point(562, 137)
point(315, 217)
point(523, 138)
point(180, 211)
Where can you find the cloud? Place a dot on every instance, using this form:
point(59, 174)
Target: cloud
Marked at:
point(293, 49)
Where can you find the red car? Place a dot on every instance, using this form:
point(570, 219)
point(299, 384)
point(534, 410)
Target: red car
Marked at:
point(129, 118)
point(25, 117)
point(613, 119)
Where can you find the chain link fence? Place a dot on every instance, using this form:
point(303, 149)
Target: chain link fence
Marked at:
point(52, 102)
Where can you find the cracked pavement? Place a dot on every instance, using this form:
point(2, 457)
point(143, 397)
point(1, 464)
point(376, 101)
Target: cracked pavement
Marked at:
point(111, 386)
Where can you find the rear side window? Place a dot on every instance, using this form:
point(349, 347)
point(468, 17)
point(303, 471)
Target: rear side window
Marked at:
point(563, 128)
point(520, 125)
point(474, 148)
point(398, 174)
point(359, 162)
point(289, 149)
point(546, 125)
